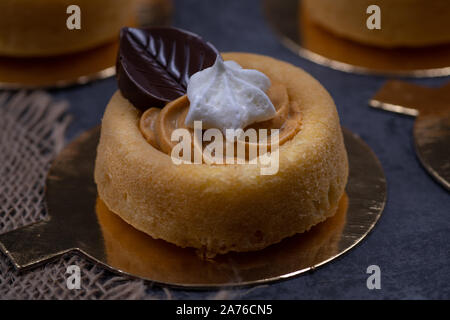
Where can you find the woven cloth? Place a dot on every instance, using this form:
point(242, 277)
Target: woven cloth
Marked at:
point(32, 130)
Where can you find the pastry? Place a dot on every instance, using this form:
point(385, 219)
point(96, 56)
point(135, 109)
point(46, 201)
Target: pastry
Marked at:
point(30, 28)
point(404, 23)
point(210, 206)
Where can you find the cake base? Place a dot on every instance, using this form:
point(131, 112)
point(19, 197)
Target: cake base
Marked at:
point(312, 42)
point(79, 222)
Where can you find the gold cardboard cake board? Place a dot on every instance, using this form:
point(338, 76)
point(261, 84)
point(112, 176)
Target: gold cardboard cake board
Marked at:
point(310, 41)
point(79, 221)
point(77, 68)
point(431, 130)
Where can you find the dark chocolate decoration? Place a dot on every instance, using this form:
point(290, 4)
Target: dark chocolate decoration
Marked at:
point(154, 64)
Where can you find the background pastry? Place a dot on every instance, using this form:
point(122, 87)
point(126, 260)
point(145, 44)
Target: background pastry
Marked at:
point(38, 28)
point(407, 23)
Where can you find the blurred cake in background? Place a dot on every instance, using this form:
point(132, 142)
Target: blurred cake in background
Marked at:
point(33, 28)
point(404, 23)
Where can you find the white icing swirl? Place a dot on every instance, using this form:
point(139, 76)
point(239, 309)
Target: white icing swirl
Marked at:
point(226, 96)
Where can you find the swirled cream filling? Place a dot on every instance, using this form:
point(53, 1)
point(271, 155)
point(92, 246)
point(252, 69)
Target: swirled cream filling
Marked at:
point(157, 125)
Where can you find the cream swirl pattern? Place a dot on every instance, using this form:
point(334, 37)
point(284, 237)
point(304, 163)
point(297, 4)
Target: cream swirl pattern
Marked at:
point(226, 96)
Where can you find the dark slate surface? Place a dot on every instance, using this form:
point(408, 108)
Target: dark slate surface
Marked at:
point(411, 242)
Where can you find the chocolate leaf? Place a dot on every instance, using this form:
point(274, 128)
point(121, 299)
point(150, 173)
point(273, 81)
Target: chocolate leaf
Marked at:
point(154, 64)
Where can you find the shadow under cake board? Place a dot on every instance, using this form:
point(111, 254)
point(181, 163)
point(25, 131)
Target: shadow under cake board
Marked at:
point(310, 41)
point(79, 221)
point(81, 67)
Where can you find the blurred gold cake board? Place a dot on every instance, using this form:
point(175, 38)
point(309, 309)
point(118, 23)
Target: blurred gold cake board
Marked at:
point(314, 43)
point(80, 221)
point(431, 107)
point(78, 68)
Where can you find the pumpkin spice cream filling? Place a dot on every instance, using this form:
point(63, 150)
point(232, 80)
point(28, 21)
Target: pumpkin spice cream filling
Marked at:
point(157, 125)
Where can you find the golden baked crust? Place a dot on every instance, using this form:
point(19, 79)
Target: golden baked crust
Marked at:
point(226, 207)
point(409, 23)
point(38, 27)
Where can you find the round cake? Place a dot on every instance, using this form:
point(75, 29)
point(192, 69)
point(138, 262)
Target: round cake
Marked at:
point(404, 23)
point(219, 208)
point(30, 28)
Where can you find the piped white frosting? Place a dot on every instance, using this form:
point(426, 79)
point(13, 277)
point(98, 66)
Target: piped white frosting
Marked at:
point(226, 96)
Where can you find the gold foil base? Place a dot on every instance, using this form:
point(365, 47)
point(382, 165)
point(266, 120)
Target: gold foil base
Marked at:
point(81, 222)
point(314, 43)
point(78, 68)
point(431, 131)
